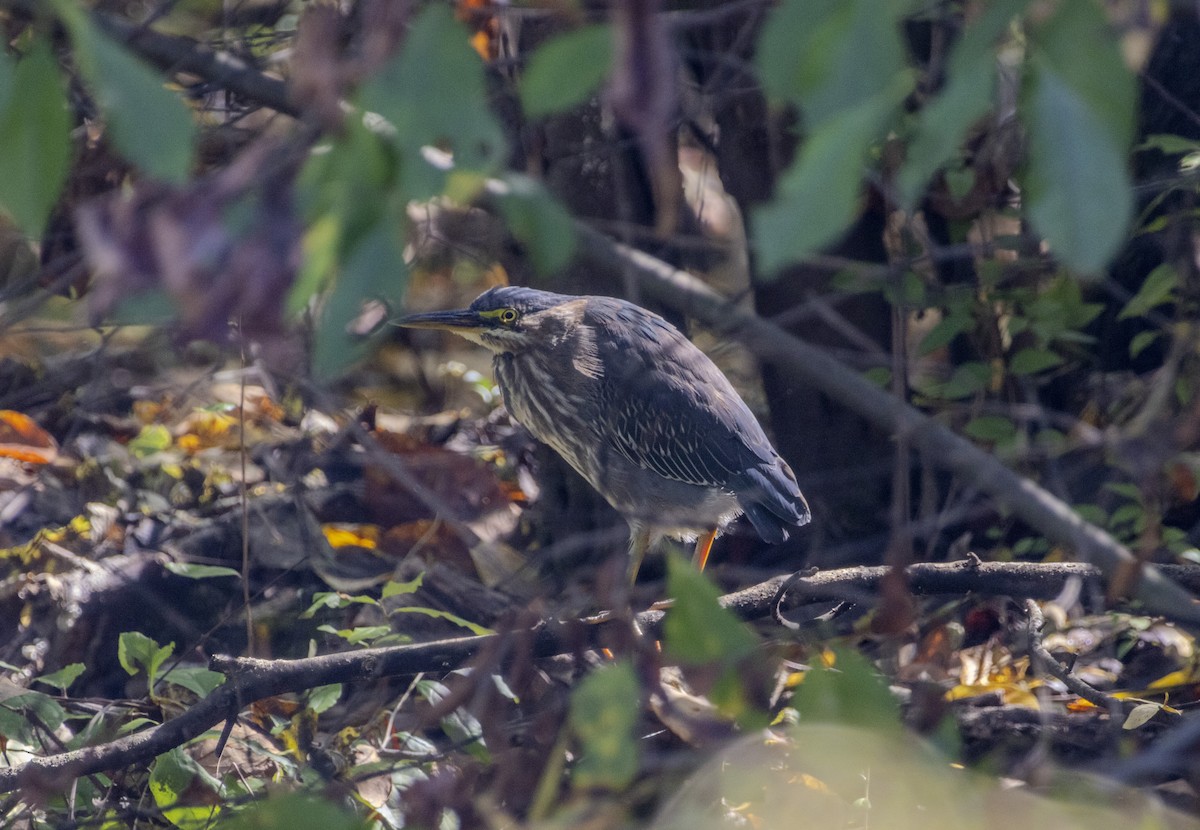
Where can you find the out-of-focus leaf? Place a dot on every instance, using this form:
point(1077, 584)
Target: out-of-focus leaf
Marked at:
point(538, 222)
point(35, 137)
point(192, 570)
point(374, 269)
point(830, 56)
point(566, 69)
point(148, 124)
point(605, 708)
point(292, 811)
point(433, 93)
point(1157, 288)
point(1077, 104)
point(818, 196)
point(966, 97)
point(697, 630)
point(1141, 341)
point(152, 438)
point(1031, 361)
point(474, 628)
point(392, 589)
point(853, 694)
point(990, 428)
point(22, 439)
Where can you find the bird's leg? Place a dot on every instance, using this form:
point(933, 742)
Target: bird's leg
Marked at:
point(639, 542)
point(703, 548)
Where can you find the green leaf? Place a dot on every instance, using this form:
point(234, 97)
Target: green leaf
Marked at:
point(698, 630)
point(294, 811)
point(850, 693)
point(148, 124)
point(1141, 340)
point(953, 324)
point(374, 269)
point(152, 438)
point(819, 194)
point(196, 679)
point(391, 588)
point(433, 92)
point(565, 70)
point(1031, 361)
point(64, 677)
point(967, 96)
point(35, 134)
point(171, 782)
point(192, 570)
point(323, 698)
point(539, 222)
point(995, 428)
point(1077, 104)
point(1158, 288)
point(830, 56)
point(605, 708)
point(438, 614)
point(136, 651)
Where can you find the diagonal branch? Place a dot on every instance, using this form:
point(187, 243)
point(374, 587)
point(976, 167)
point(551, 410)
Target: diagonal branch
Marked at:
point(814, 366)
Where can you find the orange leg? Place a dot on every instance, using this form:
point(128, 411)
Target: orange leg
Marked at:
point(703, 548)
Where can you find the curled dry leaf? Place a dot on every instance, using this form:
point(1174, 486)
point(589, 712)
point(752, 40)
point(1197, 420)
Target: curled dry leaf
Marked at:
point(22, 439)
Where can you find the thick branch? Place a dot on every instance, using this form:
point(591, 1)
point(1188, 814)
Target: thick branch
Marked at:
point(250, 680)
point(811, 365)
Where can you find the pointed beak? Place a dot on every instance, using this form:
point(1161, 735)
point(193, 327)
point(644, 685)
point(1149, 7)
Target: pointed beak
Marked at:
point(461, 320)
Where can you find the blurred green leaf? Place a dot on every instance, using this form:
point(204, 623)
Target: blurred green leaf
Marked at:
point(697, 630)
point(851, 693)
point(1141, 341)
point(605, 708)
point(433, 93)
point(1031, 361)
point(35, 134)
point(148, 124)
point(192, 570)
point(565, 70)
point(374, 269)
point(539, 222)
point(831, 56)
point(968, 95)
point(994, 428)
point(436, 613)
point(1158, 288)
point(152, 438)
point(294, 811)
point(819, 195)
point(1077, 104)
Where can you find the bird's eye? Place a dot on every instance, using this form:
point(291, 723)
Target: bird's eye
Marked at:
point(508, 316)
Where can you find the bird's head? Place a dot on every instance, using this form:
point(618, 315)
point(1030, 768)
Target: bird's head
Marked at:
point(505, 319)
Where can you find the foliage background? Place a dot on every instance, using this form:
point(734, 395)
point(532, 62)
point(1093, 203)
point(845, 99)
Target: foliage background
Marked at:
point(982, 209)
